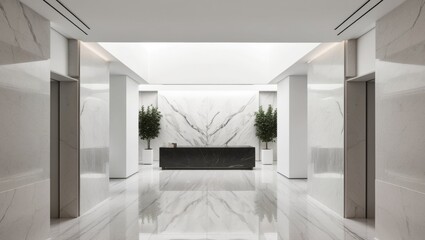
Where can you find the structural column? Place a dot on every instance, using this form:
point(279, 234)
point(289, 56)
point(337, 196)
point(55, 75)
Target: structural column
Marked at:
point(292, 127)
point(124, 94)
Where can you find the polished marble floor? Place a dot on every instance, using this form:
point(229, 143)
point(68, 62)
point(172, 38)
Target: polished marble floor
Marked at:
point(210, 204)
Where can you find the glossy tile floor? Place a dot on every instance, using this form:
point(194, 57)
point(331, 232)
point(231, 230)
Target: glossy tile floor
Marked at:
point(210, 204)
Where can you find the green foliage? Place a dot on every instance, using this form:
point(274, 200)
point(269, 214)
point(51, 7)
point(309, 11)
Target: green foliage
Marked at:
point(149, 123)
point(266, 124)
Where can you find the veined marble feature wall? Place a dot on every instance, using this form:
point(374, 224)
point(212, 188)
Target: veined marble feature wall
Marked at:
point(400, 123)
point(208, 118)
point(94, 129)
point(326, 128)
point(24, 122)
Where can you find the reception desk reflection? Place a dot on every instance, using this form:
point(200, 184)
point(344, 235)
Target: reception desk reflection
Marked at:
point(203, 204)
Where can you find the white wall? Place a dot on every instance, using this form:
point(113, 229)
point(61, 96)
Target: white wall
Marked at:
point(283, 126)
point(366, 53)
point(132, 55)
point(58, 53)
point(292, 127)
point(132, 126)
point(124, 127)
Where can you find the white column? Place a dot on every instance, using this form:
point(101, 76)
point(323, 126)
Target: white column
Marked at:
point(124, 109)
point(292, 127)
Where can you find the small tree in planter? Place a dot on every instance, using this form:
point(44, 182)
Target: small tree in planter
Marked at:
point(149, 126)
point(266, 131)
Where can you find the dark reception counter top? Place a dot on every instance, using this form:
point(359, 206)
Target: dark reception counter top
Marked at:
point(207, 157)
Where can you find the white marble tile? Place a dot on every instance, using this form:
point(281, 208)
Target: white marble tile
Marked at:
point(24, 122)
point(25, 212)
point(400, 132)
point(326, 128)
point(399, 212)
point(204, 208)
point(94, 130)
point(25, 34)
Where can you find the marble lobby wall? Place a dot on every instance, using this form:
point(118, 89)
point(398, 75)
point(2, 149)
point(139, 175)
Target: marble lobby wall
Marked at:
point(400, 123)
point(325, 91)
point(94, 129)
point(151, 98)
point(199, 118)
point(24, 122)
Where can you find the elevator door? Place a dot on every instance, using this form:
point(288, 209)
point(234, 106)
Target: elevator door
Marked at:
point(54, 149)
point(370, 152)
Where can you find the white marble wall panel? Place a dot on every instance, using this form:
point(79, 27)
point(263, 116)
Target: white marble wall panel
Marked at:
point(266, 99)
point(400, 131)
point(94, 130)
point(25, 212)
point(208, 118)
point(326, 128)
point(24, 122)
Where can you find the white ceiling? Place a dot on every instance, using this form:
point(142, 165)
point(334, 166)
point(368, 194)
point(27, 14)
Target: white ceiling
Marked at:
point(208, 63)
point(211, 20)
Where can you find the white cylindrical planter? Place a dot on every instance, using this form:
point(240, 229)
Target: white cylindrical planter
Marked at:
point(267, 156)
point(147, 156)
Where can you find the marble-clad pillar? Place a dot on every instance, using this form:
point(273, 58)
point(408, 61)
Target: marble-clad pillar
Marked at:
point(325, 90)
point(24, 122)
point(94, 129)
point(292, 127)
point(400, 123)
point(124, 127)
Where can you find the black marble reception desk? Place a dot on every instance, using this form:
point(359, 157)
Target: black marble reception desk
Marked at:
point(232, 157)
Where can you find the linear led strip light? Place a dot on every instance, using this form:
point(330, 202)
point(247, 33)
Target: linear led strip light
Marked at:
point(357, 19)
point(67, 18)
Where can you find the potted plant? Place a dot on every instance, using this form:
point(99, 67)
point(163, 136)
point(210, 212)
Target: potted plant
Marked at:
point(266, 131)
point(149, 126)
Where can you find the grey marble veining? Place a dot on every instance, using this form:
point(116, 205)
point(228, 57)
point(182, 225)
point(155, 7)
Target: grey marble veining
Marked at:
point(208, 117)
point(24, 122)
point(94, 130)
point(400, 132)
point(215, 204)
point(326, 128)
point(25, 34)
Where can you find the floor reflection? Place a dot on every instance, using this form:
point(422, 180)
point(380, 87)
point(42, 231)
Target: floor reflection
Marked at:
point(209, 204)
